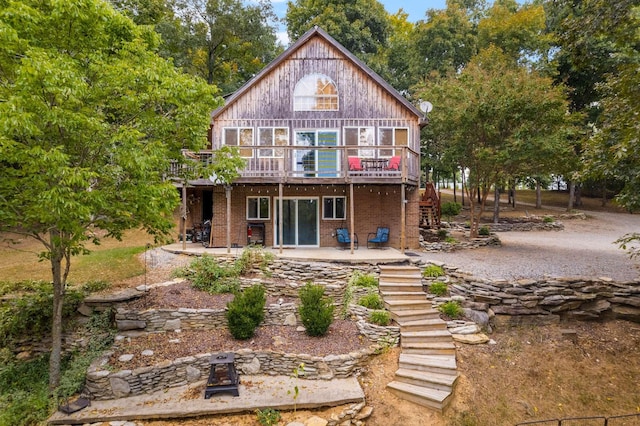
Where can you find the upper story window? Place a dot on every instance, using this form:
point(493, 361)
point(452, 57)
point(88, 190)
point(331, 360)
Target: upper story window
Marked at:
point(239, 136)
point(393, 137)
point(272, 136)
point(315, 92)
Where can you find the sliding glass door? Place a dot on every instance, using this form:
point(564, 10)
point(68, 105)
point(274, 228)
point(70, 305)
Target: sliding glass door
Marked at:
point(300, 222)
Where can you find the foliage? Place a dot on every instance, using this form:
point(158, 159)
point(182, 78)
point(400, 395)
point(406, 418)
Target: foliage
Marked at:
point(442, 234)
point(268, 416)
point(360, 25)
point(316, 310)
point(484, 231)
point(629, 242)
point(88, 113)
point(371, 301)
point(438, 288)
point(31, 311)
point(24, 395)
point(452, 309)
point(246, 311)
point(358, 279)
point(380, 317)
point(433, 271)
point(297, 372)
point(253, 256)
point(548, 219)
point(450, 209)
point(497, 120)
point(207, 274)
point(94, 286)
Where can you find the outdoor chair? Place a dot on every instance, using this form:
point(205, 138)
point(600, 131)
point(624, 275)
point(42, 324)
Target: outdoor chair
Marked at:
point(394, 163)
point(380, 237)
point(344, 238)
point(355, 165)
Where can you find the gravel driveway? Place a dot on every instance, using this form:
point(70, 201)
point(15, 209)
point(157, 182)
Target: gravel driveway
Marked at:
point(583, 248)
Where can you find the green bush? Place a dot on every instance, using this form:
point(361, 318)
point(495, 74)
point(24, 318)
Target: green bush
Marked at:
point(484, 230)
point(205, 273)
point(433, 271)
point(316, 310)
point(450, 209)
point(371, 301)
point(358, 279)
point(245, 312)
point(442, 234)
point(253, 256)
point(548, 219)
point(452, 309)
point(95, 285)
point(438, 288)
point(380, 317)
point(268, 416)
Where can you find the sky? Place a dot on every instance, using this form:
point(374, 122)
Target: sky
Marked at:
point(415, 8)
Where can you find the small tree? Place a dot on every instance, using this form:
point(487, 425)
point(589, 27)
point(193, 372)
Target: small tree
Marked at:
point(245, 312)
point(316, 310)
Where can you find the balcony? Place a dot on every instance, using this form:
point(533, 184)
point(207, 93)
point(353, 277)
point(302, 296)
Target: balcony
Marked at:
point(325, 165)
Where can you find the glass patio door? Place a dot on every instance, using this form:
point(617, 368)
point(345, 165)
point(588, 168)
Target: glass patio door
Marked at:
point(316, 162)
point(300, 222)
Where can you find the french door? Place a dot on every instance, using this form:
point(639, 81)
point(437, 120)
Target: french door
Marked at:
point(300, 222)
point(317, 162)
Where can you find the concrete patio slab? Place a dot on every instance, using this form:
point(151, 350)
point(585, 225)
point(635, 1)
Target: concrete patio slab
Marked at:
point(256, 392)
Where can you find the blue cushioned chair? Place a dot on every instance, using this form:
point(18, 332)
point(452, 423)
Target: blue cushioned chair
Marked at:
point(381, 236)
point(344, 238)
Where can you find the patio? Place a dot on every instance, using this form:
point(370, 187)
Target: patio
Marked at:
point(321, 254)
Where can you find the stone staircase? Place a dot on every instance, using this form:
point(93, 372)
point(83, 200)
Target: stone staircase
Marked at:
point(427, 370)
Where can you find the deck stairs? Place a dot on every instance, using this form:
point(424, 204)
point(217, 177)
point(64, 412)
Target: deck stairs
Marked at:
point(427, 370)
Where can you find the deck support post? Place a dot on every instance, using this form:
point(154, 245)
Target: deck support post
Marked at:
point(227, 192)
point(403, 218)
point(280, 213)
point(351, 215)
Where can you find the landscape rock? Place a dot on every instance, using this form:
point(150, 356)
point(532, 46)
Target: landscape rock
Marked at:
point(471, 339)
point(315, 421)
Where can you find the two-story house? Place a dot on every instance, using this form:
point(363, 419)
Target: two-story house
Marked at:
point(328, 144)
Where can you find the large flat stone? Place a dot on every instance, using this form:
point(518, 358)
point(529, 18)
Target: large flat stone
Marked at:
point(256, 392)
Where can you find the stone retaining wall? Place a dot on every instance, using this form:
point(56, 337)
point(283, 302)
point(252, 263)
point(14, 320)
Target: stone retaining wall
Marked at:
point(550, 299)
point(105, 384)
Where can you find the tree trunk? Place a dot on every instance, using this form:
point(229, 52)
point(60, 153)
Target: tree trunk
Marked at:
point(463, 186)
point(496, 204)
point(572, 193)
point(455, 197)
point(56, 326)
point(604, 193)
point(579, 195)
point(538, 194)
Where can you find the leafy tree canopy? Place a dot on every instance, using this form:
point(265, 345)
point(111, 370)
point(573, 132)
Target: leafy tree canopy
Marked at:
point(361, 26)
point(90, 117)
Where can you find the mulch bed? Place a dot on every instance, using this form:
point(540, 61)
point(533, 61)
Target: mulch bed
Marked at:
point(343, 335)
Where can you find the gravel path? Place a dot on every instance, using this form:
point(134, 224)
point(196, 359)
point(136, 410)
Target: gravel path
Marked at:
point(584, 248)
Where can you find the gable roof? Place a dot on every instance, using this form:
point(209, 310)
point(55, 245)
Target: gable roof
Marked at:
point(318, 32)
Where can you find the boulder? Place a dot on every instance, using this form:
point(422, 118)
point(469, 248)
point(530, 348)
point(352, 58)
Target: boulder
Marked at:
point(471, 339)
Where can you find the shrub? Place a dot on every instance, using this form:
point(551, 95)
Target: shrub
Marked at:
point(380, 317)
point(452, 309)
point(450, 209)
point(371, 301)
point(442, 234)
point(358, 279)
point(548, 219)
point(268, 416)
point(484, 230)
point(438, 288)
point(433, 271)
point(245, 312)
point(205, 273)
point(95, 285)
point(450, 240)
point(253, 256)
point(316, 310)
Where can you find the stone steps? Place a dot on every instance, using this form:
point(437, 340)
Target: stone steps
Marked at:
point(425, 336)
point(442, 382)
point(427, 366)
point(407, 305)
point(428, 348)
point(421, 395)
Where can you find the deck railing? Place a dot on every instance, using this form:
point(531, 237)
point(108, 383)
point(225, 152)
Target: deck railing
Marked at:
point(286, 163)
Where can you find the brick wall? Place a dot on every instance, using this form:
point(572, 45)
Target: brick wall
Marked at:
point(374, 205)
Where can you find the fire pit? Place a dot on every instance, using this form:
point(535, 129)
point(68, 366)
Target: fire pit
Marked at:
point(223, 376)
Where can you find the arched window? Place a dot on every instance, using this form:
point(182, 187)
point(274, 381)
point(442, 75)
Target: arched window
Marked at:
point(315, 92)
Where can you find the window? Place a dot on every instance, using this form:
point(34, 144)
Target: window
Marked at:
point(239, 136)
point(258, 208)
point(334, 208)
point(392, 136)
point(270, 136)
point(315, 92)
point(359, 136)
